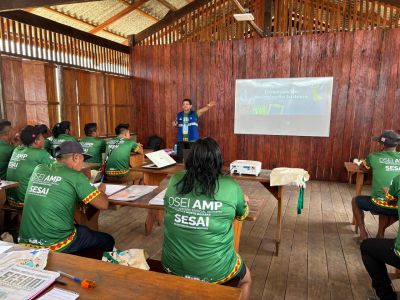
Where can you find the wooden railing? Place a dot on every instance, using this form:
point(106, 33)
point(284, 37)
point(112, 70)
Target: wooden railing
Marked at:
point(19, 39)
point(294, 17)
point(214, 21)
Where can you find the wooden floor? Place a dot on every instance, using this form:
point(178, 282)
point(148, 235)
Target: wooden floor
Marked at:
point(319, 256)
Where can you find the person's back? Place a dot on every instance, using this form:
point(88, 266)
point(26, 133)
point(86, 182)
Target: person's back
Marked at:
point(60, 135)
point(92, 145)
point(200, 206)
point(52, 194)
point(118, 152)
point(385, 165)
point(6, 149)
point(198, 235)
point(48, 215)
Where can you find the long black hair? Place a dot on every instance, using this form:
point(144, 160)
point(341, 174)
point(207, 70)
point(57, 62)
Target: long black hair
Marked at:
point(203, 166)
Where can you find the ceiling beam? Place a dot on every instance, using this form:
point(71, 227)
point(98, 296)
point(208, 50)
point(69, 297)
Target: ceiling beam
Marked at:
point(31, 10)
point(167, 5)
point(391, 2)
point(141, 11)
point(170, 18)
point(38, 21)
point(118, 16)
point(19, 4)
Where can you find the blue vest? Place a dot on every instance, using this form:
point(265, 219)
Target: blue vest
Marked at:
point(193, 126)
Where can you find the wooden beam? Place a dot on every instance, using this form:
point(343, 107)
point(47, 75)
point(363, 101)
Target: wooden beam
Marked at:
point(252, 23)
point(267, 16)
point(391, 2)
point(37, 21)
point(19, 4)
point(169, 19)
point(118, 16)
point(140, 11)
point(167, 5)
point(74, 19)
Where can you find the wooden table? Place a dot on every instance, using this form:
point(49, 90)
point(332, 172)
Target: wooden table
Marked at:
point(360, 172)
point(120, 282)
point(154, 177)
point(4, 185)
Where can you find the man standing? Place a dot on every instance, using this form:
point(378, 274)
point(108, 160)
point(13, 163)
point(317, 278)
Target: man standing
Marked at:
point(118, 155)
point(385, 165)
point(6, 149)
point(187, 123)
point(92, 145)
point(52, 194)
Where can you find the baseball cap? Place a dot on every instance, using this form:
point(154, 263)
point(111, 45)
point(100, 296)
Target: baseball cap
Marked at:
point(71, 147)
point(29, 134)
point(389, 138)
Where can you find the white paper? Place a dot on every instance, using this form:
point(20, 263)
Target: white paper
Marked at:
point(111, 189)
point(159, 199)
point(22, 283)
point(133, 192)
point(35, 258)
point(4, 248)
point(59, 294)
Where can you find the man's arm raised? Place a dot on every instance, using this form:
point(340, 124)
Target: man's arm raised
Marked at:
point(205, 108)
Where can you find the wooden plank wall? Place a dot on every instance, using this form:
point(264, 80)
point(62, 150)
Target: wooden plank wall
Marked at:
point(24, 91)
point(366, 70)
point(96, 97)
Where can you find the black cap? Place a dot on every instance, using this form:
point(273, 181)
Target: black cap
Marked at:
point(389, 138)
point(121, 126)
point(29, 134)
point(71, 147)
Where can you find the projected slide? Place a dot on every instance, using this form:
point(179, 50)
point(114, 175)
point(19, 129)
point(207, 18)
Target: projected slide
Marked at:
point(283, 106)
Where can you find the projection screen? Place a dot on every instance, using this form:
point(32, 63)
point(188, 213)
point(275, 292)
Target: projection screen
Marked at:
point(283, 106)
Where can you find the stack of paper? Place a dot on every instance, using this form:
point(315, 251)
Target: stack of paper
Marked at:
point(22, 282)
point(133, 192)
point(111, 189)
point(35, 258)
point(159, 199)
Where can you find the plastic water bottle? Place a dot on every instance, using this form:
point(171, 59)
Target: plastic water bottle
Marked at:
point(175, 149)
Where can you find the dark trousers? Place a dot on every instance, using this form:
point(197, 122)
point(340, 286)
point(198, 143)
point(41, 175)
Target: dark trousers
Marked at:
point(180, 147)
point(375, 254)
point(89, 239)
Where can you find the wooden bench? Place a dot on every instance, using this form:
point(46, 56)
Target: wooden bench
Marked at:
point(156, 266)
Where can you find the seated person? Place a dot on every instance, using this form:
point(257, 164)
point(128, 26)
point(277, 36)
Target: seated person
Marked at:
point(6, 148)
point(378, 252)
point(118, 154)
point(45, 131)
point(61, 134)
point(385, 165)
point(200, 207)
point(23, 161)
point(53, 192)
point(92, 145)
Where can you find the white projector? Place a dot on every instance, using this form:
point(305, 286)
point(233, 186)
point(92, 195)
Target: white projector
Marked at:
point(246, 167)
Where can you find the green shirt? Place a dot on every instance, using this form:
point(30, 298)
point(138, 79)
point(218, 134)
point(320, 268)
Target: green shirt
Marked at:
point(385, 166)
point(94, 147)
point(118, 153)
point(59, 140)
point(48, 214)
point(47, 145)
point(198, 231)
point(394, 194)
point(6, 151)
point(22, 163)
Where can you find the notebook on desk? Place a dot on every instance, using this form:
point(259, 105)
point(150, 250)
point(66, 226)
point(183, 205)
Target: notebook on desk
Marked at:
point(160, 159)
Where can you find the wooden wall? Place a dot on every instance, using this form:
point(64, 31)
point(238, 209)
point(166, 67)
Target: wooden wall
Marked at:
point(24, 91)
point(30, 96)
point(366, 98)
